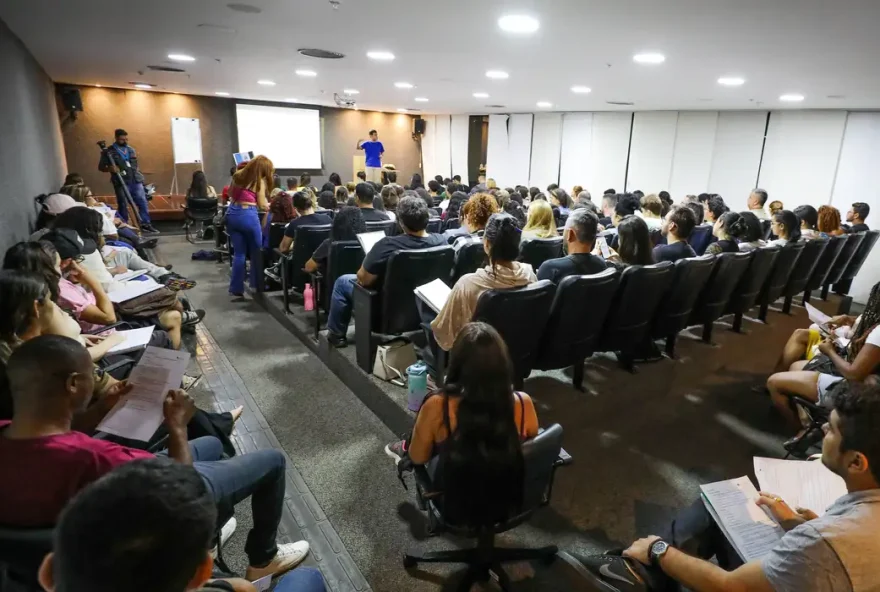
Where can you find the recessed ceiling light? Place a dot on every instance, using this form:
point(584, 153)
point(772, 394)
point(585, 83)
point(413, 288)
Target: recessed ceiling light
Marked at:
point(382, 56)
point(143, 86)
point(221, 93)
point(351, 91)
point(649, 58)
point(403, 85)
point(792, 98)
point(581, 89)
point(180, 57)
point(544, 104)
point(518, 23)
point(307, 73)
point(290, 100)
point(731, 81)
point(266, 82)
point(480, 95)
point(401, 110)
point(497, 74)
point(421, 100)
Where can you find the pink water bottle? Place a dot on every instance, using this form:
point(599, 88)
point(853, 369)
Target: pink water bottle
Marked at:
point(309, 297)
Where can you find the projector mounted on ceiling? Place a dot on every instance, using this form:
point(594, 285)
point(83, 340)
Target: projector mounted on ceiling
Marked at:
point(344, 101)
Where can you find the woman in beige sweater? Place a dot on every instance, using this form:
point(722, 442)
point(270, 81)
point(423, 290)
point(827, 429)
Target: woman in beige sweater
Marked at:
point(501, 242)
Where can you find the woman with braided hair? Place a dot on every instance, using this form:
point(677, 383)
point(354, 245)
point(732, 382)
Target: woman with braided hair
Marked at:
point(856, 362)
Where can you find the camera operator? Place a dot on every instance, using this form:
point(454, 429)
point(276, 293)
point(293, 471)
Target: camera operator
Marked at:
point(120, 160)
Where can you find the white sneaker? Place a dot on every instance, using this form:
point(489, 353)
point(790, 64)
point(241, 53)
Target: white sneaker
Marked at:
point(288, 556)
point(225, 534)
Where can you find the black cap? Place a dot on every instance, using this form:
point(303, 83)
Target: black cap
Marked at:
point(69, 244)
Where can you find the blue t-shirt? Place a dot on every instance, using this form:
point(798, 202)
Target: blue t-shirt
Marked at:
point(374, 151)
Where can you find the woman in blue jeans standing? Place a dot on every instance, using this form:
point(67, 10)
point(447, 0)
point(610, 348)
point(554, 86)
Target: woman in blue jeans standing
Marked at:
point(248, 199)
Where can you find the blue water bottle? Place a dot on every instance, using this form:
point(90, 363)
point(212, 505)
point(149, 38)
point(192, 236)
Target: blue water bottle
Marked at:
point(416, 385)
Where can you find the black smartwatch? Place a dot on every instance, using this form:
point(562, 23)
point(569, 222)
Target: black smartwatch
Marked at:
point(657, 551)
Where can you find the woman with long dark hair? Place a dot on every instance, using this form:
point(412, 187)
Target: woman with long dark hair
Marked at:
point(787, 227)
point(475, 424)
point(335, 179)
point(199, 188)
point(727, 229)
point(416, 181)
point(248, 193)
point(634, 243)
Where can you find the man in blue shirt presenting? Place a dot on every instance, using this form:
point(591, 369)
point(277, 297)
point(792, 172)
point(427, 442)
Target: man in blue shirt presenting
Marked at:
point(374, 151)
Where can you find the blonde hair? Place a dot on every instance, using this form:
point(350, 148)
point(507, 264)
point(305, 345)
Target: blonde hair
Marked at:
point(652, 203)
point(775, 206)
point(576, 190)
point(491, 184)
point(541, 221)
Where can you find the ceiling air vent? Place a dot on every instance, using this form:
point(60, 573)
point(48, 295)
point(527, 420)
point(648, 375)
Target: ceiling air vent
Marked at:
point(321, 54)
point(495, 107)
point(245, 8)
point(621, 103)
point(166, 69)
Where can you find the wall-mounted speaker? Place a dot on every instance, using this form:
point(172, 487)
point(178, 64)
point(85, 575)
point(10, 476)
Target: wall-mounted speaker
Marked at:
point(72, 99)
point(419, 126)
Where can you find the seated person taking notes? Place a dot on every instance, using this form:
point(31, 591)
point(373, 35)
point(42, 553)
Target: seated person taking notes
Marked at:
point(306, 216)
point(677, 227)
point(578, 240)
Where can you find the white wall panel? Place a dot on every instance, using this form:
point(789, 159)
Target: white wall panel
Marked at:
point(738, 141)
point(800, 156)
point(459, 131)
point(496, 149)
point(692, 158)
point(428, 146)
point(857, 176)
point(651, 150)
point(546, 144)
point(442, 160)
point(577, 136)
point(519, 150)
point(609, 146)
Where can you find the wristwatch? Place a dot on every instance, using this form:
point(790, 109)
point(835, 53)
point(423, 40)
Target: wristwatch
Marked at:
point(657, 551)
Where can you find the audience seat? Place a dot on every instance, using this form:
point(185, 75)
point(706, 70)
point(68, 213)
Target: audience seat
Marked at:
point(520, 316)
point(21, 553)
point(629, 320)
point(392, 310)
point(434, 225)
point(825, 264)
point(778, 277)
point(729, 269)
point(861, 254)
point(767, 226)
point(745, 294)
point(700, 239)
point(390, 227)
point(853, 241)
point(575, 322)
point(542, 455)
point(803, 269)
point(344, 257)
point(470, 258)
point(451, 224)
point(689, 278)
point(306, 239)
point(537, 250)
point(198, 212)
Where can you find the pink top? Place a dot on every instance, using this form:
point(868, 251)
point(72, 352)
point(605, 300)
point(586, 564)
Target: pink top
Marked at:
point(241, 195)
point(74, 298)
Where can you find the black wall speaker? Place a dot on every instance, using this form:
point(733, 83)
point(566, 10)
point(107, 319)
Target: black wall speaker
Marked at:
point(419, 126)
point(72, 99)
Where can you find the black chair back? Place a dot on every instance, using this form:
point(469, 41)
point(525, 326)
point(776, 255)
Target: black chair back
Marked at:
point(853, 242)
point(344, 257)
point(276, 235)
point(700, 238)
point(826, 262)
point(656, 236)
point(641, 290)
point(537, 250)
point(576, 318)
point(689, 278)
point(767, 228)
point(438, 210)
point(778, 276)
point(540, 455)
point(745, 294)
point(451, 224)
point(729, 269)
point(860, 255)
point(520, 316)
point(306, 239)
point(404, 272)
point(434, 225)
point(21, 553)
point(469, 259)
point(803, 269)
point(387, 226)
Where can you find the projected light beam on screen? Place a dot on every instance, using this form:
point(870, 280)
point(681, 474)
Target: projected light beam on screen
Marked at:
point(290, 137)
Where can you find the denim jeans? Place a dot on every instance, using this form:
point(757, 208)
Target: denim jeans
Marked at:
point(243, 228)
point(258, 475)
point(302, 579)
point(139, 197)
point(341, 303)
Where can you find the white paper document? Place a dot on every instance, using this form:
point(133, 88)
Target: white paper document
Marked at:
point(816, 315)
point(434, 294)
point(802, 484)
point(751, 531)
point(129, 275)
point(134, 289)
point(140, 412)
point(369, 239)
point(134, 339)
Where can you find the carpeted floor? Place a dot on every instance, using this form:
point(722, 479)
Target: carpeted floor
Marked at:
point(641, 443)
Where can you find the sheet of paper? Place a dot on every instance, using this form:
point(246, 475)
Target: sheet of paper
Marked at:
point(134, 339)
point(263, 584)
point(751, 531)
point(129, 275)
point(139, 413)
point(802, 484)
point(133, 290)
point(816, 315)
point(434, 294)
point(369, 239)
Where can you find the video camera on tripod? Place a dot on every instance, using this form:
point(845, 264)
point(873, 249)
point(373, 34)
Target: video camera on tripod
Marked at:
point(123, 197)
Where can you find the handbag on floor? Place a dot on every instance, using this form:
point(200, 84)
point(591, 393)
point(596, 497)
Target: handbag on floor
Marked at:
point(392, 360)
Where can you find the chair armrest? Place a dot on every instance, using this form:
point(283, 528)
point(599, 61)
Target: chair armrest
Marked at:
point(420, 473)
point(118, 365)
